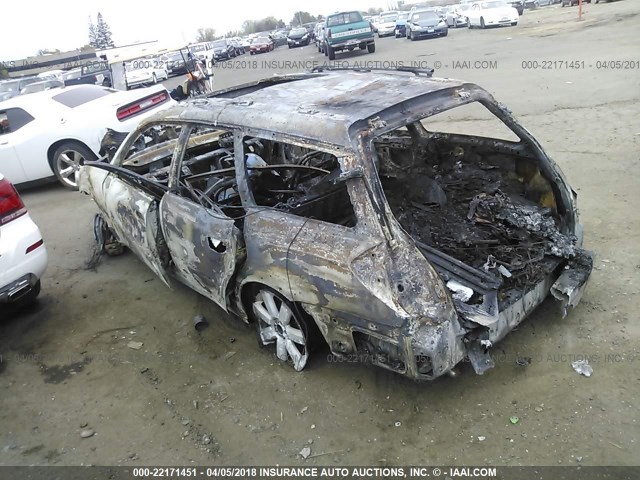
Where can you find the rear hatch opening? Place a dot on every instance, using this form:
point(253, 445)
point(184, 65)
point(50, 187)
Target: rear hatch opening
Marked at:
point(485, 217)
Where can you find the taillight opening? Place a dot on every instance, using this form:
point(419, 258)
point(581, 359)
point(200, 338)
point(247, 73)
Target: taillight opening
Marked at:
point(142, 105)
point(11, 206)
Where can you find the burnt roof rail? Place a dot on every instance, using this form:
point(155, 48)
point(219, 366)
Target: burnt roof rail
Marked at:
point(416, 71)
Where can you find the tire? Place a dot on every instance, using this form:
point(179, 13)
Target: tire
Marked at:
point(154, 79)
point(331, 53)
point(67, 160)
point(371, 47)
point(482, 25)
point(279, 323)
point(469, 25)
point(513, 24)
point(363, 47)
point(445, 33)
point(412, 37)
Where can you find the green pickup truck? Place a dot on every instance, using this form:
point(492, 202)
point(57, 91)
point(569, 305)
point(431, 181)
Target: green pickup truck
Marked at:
point(346, 31)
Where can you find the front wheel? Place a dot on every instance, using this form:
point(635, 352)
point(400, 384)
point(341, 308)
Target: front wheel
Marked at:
point(279, 323)
point(67, 160)
point(513, 24)
point(482, 25)
point(371, 47)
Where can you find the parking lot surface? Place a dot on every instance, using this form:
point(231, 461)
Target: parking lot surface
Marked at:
point(67, 365)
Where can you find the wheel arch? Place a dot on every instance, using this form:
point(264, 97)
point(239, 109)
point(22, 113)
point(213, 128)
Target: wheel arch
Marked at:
point(58, 143)
point(246, 289)
point(250, 286)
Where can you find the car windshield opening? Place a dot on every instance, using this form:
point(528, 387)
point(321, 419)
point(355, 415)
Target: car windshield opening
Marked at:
point(344, 18)
point(80, 95)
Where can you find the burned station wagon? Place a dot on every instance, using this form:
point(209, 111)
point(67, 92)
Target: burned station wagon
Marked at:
point(327, 206)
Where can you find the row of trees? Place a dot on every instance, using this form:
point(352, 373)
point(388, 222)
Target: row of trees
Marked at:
point(262, 25)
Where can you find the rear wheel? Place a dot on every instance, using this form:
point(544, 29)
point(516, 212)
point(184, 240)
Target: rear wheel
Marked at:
point(513, 24)
point(67, 160)
point(279, 323)
point(331, 53)
point(371, 47)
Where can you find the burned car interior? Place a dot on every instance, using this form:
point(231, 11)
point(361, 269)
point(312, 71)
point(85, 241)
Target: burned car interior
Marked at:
point(283, 176)
point(387, 235)
point(467, 204)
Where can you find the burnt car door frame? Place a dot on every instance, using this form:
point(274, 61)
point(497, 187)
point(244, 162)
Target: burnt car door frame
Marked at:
point(202, 241)
point(130, 203)
point(292, 253)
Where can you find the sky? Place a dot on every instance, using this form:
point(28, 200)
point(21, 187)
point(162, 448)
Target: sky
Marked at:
point(63, 24)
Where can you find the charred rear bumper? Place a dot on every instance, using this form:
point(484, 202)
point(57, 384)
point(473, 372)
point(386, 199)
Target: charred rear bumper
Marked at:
point(434, 350)
point(425, 349)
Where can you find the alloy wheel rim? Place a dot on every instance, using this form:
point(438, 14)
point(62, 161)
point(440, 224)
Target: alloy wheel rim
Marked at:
point(68, 164)
point(277, 324)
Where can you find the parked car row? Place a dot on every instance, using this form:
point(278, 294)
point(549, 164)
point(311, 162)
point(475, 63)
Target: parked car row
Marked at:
point(468, 13)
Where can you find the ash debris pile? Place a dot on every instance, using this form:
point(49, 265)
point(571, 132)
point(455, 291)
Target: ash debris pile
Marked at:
point(493, 212)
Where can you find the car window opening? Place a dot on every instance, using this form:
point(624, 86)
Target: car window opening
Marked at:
point(298, 180)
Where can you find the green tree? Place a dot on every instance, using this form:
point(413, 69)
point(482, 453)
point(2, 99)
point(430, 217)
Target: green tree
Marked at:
point(300, 18)
point(102, 34)
point(206, 35)
point(93, 38)
point(263, 25)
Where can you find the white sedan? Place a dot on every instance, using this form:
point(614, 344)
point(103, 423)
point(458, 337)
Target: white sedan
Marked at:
point(491, 13)
point(54, 132)
point(145, 72)
point(23, 256)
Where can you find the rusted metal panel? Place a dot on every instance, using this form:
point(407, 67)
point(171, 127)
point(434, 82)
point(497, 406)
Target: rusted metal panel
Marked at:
point(204, 245)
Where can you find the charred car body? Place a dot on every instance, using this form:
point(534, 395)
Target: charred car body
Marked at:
point(321, 206)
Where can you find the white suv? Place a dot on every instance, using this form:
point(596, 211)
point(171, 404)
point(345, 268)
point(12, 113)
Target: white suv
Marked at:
point(23, 256)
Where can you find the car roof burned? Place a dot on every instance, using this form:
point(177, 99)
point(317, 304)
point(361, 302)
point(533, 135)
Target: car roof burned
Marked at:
point(324, 107)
